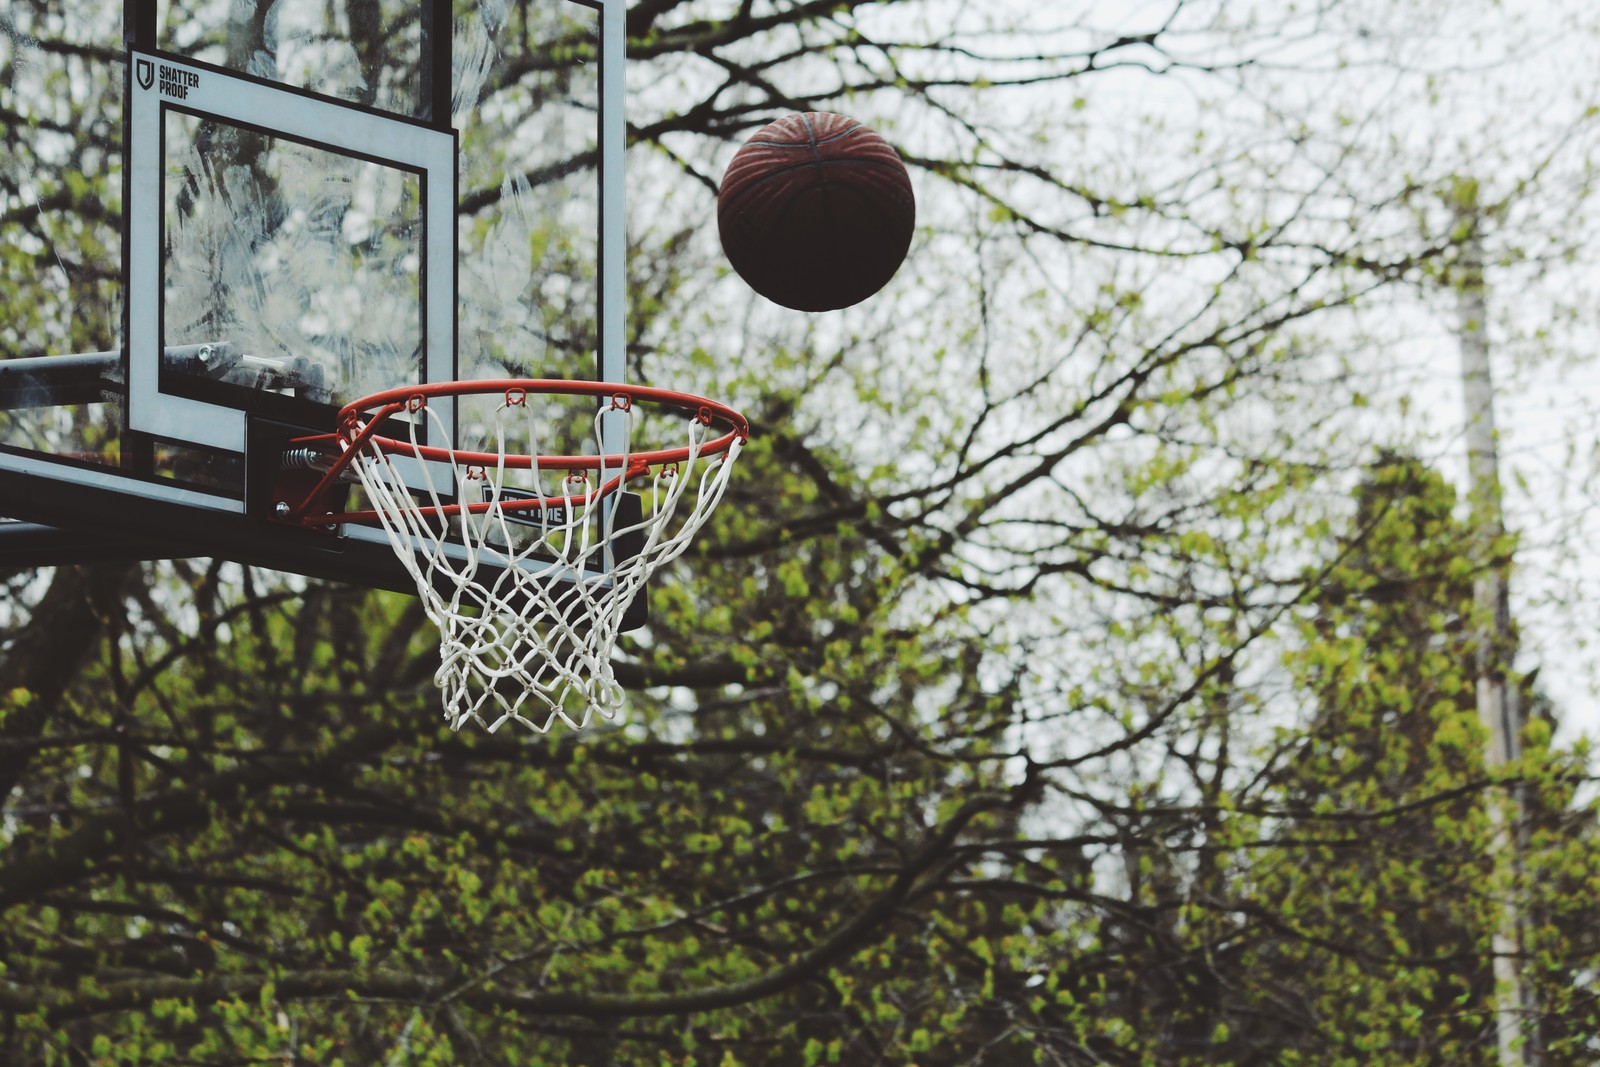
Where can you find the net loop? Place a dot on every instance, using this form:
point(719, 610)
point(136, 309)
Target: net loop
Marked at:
point(529, 621)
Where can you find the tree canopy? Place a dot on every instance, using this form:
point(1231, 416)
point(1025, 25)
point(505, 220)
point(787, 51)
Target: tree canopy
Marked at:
point(1077, 671)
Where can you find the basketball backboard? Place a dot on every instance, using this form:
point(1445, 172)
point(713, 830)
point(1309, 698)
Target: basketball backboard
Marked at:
point(225, 219)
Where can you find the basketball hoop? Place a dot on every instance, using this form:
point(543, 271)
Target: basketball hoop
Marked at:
point(553, 559)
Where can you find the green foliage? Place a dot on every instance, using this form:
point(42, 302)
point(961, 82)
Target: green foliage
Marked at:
point(1040, 692)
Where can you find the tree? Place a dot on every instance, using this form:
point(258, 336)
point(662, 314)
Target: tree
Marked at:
point(963, 735)
point(1339, 904)
point(1406, 896)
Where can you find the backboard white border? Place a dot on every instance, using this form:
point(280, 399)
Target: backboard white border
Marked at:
point(157, 83)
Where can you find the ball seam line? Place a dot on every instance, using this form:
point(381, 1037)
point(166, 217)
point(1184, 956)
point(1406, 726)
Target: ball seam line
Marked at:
point(841, 135)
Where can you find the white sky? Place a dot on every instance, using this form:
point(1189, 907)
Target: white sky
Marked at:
point(1501, 89)
point(1497, 91)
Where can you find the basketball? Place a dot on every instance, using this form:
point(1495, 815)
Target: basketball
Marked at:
point(816, 212)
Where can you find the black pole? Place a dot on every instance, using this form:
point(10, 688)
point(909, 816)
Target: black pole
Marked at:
point(437, 30)
point(139, 24)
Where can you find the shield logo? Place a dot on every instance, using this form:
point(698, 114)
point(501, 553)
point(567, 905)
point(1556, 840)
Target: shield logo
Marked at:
point(146, 72)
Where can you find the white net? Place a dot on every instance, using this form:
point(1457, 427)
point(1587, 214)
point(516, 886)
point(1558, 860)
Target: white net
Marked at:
point(529, 618)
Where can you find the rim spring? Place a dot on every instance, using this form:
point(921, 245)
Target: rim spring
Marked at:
point(303, 458)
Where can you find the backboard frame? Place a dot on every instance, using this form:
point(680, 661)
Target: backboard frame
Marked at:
point(156, 83)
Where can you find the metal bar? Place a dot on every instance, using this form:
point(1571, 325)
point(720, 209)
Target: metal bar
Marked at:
point(139, 24)
point(52, 381)
point(331, 478)
point(92, 377)
point(33, 544)
point(437, 25)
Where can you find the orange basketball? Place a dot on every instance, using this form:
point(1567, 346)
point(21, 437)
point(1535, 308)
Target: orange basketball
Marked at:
point(816, 212)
